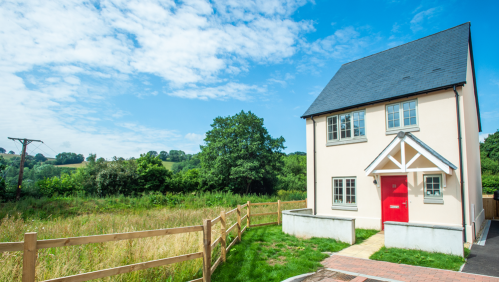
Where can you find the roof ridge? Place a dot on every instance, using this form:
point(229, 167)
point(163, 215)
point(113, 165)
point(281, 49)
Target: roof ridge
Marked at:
point(406, 43)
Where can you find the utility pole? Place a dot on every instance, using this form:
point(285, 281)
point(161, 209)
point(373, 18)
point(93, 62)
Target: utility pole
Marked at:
point(25, 143)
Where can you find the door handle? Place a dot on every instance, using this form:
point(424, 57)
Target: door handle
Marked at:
point(405, 203)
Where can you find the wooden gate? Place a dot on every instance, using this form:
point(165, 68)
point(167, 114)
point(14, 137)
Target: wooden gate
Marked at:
point(491, 207)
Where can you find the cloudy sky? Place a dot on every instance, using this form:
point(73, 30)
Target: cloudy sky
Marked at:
point(119, 78)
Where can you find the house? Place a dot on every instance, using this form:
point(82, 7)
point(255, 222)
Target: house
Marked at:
point(393, 137)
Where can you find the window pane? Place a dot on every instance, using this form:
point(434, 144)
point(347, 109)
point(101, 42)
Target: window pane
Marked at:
point(436, 180)
point(362, 131)
point(330, 136)
point(390, 116)
point(396, 115)
point(356, 132)
point(361, 123)
point(361, 115)
point(429, 180)
point(345, 121)
point(335, 135)
point(407, 121)
point(390, 109)
point(413, 105)
point(406, 106)
point(329, 121)
point(396, 108)
point(338, 191)
point(413, 113)
point(390, 124)
point(406, 114)
point(396, 123)
point(355, 123)
point(355, 116)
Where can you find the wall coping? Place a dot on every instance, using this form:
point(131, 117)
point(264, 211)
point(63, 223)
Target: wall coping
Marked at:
point(460, 228)
point(294, 213)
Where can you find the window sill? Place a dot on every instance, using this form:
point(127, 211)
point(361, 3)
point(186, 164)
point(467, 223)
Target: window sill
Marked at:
point(433, 201)
point(403, 129)
point(347, 141)
point(345, 208)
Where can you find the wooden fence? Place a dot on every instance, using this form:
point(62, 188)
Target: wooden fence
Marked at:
point(31, 245)
point(491, 207)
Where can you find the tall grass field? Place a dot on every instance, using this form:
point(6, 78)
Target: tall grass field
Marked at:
point(72, 217)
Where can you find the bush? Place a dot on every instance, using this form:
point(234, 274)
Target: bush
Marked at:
point(490, 183)
point(118, 177)
point(291, 195)
point(64, 185)
point(69, 158)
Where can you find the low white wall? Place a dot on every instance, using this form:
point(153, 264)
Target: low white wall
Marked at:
point(302, 223)
point(425, 237)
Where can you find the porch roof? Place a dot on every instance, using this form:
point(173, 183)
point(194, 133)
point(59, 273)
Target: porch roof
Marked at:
point(441, 163)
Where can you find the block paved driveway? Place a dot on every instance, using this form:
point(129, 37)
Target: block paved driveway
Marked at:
point(485, 259)
point(358, 269)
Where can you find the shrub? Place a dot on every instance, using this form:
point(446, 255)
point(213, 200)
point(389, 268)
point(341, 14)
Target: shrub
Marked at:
point(490, 183)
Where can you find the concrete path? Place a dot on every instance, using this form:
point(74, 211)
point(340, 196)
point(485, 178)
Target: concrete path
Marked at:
point(366, 248)
point(357, 269)
point(485, 259)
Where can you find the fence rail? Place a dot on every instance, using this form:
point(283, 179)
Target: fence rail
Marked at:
point(31, 245)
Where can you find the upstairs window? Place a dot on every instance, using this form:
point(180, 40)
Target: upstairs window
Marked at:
point(402, 115)
point(346, 126)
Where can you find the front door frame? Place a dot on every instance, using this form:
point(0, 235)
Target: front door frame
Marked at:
point(381, 200)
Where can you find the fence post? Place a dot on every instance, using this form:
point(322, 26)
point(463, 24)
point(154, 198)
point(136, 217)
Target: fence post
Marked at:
point(29, 257)
point(278, 212)
point(223, 236)
point(306, 206)
point(248, 212)
point(206, 250)
point(239, 223)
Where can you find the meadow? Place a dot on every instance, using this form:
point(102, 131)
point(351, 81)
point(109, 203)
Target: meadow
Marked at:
point(72, 217)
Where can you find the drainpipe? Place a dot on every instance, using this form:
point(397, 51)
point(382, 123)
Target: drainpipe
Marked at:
point(315, 179)
point(460, 161)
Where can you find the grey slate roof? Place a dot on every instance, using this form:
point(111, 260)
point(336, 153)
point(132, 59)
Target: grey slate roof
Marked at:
point(422, 144)
point(430, 63)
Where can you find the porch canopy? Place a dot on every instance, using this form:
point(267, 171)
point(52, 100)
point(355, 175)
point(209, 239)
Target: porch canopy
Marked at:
point(406, 153)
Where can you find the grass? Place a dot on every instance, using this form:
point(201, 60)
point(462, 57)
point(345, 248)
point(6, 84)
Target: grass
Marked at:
point(268, 254)
point(168, 165)
point(420, 258)
point(59, 206)
point(83, 217)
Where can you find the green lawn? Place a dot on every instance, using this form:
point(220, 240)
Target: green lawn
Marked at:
point(267, 254)
point(168, 165)
point(420, 258)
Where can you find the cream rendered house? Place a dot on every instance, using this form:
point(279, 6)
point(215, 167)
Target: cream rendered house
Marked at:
point(395, 136)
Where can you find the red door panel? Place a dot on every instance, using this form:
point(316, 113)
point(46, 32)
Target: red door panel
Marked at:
point(394, 203)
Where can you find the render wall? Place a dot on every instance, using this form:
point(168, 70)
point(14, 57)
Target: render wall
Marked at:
point(437, 128)
point(441, 239)
point(471, 150)
point(302, 223)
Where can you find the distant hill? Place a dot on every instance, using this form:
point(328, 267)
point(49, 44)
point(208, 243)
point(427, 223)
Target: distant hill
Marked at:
point(9, 156)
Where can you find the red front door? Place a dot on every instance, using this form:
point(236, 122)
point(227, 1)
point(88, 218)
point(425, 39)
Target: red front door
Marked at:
point(394, 204)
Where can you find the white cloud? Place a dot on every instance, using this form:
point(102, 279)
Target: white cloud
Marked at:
point(49, 46)
point(230, 90)
point(418, 19)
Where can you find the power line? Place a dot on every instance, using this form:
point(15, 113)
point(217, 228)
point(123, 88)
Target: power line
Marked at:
point(25, 143)
point(31, 152)
point(50, 148)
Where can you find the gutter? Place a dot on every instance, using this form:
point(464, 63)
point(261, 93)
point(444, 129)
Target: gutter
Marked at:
point(460, 162)
point(384, 100)
point(315, 177)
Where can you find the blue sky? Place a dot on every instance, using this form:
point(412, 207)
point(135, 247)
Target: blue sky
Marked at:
point(120, 78)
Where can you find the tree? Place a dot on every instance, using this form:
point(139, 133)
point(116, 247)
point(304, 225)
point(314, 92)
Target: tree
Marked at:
point(2, 150)
point(12, 152)
point(40, 157)
point(298, 153)
point(294, 173)
point(240, 154)
point(163, 155)
point(153, 176)
point(153, 153)
point(177, 155)
point(491, 146)
point(91, 157)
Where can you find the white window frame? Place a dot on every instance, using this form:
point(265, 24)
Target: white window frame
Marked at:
point(338, 127)
point(401, 116)
point(431, 199)
point(344, 192)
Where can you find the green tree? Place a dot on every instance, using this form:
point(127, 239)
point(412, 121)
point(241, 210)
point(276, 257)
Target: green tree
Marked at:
point(163, 155)
point(241, 155)
point(294, 173)
point(12, 152)
point(491, 146)
point(40, 157)
point(2, 150)
point(177, 155)
point(69, 158)
point(153, 176)
point(153, 153)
